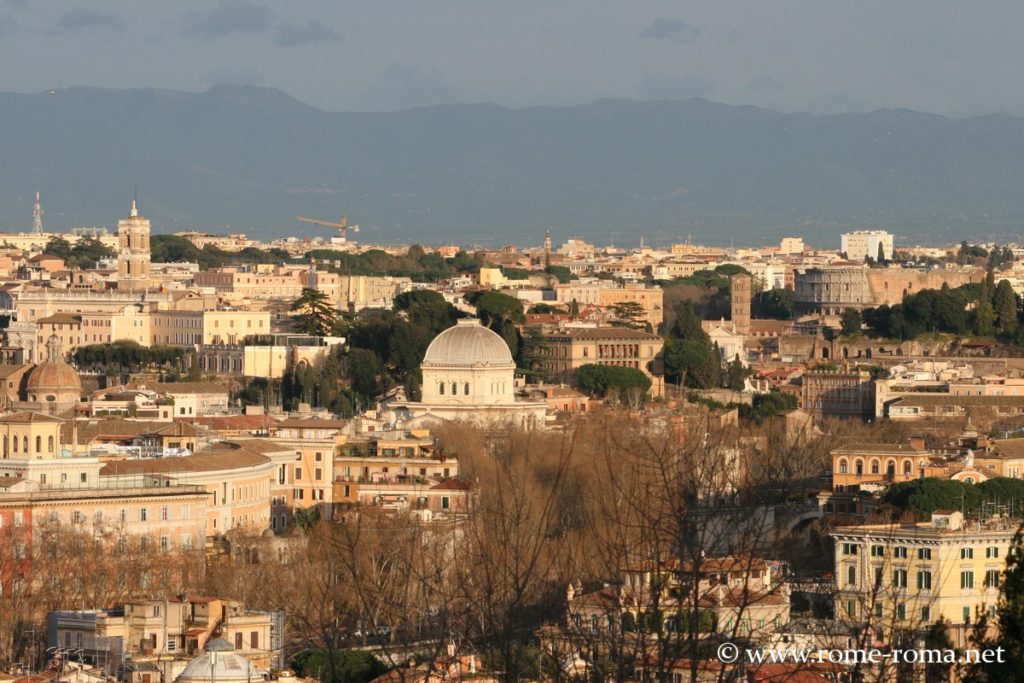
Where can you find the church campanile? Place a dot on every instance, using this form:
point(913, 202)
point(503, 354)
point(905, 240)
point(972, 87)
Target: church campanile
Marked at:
point(133, 257)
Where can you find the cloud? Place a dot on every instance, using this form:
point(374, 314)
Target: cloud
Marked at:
point(406, 85)
point(17, 4)
point(667, 28)
point(8, 26)
point(79, 19)
point(227, 17)
point(290, 35)
point(662, 87)
point(766, 84)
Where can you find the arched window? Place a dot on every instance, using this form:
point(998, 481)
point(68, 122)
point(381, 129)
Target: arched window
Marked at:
point(5, 445)
point(890, 467)
point(851, 576)
point(465, 389)
point(440, 388)
point(908, 467)
point(49, 443)
point(875, 466)
point(842, 466)
point(858, 466)
point(15, 440)
point(39, 444)
point(455, 389)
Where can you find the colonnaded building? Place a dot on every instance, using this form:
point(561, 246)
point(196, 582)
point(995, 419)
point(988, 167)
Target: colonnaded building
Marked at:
point(469, 375)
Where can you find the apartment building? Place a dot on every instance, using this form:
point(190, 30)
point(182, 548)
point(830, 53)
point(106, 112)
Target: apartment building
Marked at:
point(165, 634)
point(838, 392)
point(910, 575)
point(304, 479)
point(570, 348)
point(194, 328)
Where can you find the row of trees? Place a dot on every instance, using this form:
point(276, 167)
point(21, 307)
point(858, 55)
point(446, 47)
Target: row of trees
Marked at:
point(86, 252)
point(996, 312)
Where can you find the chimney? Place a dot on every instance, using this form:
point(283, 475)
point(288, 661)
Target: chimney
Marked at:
point(917, 441)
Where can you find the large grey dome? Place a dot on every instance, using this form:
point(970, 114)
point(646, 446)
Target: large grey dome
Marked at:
point(467, 345)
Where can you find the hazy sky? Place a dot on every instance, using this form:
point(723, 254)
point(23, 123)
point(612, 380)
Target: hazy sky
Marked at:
point(948, 57)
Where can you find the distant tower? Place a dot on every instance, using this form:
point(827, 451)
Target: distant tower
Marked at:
point(37, 216)
point(741, 295)
point(547, 249)
point(312, 274)
point(133, 257)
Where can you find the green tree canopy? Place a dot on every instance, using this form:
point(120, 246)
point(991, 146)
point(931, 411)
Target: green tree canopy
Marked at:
point(851, 321)
point(603, 379)
point(313, 313)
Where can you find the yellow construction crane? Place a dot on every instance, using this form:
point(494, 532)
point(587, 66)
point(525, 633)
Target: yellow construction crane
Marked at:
point(343, 227)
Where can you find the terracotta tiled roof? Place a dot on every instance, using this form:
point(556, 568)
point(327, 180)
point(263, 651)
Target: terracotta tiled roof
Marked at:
point(208, 461)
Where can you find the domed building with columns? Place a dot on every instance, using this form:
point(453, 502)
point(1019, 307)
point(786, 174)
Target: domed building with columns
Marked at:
point(469, 375)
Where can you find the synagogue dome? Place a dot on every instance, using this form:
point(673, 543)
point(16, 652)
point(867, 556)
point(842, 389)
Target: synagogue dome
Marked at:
point(468, 344)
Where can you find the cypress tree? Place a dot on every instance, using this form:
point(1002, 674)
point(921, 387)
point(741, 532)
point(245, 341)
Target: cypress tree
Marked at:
point(1005, 305)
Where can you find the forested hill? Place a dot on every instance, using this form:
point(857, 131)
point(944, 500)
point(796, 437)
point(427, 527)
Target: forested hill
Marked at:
point(251, 159)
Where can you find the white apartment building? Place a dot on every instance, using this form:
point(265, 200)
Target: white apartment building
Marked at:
point(864, 244)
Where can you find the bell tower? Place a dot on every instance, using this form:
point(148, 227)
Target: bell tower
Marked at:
point(133, 257)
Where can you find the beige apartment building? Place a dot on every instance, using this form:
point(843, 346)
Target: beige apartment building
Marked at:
point(165, 634)
point(66, 326)
point(606, 296)
point(131, 323)
point(193, 328)
point(570, 348)
point(236, 477)
point(303, 480)
point(909, 575)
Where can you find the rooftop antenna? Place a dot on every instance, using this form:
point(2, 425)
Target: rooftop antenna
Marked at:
point(37, 216)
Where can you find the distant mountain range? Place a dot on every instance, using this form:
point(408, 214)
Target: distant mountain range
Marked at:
point(251, 159)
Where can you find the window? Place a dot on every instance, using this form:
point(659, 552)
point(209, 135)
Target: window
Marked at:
point(172, 643)
point(992, 552)
point(901, 611)
point(39, 444)
point(842, 466)
point(877, 551)
point(926, 613)
point(165, 544)
point(851, 608)
point(966, 553)
point(238, 641)
point(992, 578)
point(850, 548)
point(900, 552)
point(318, 474)
point(298, 473)
point(899, 578)
point(874, 467)
point(165, 514)
point(49, 441)
point(966, 580)
point(254, 640)
point(924, 553)
point(878, 577)
point(445, 503)
point(440, 390)
point(143, 514)
point(851, 576)
point(924, 580)
point(907, 467)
